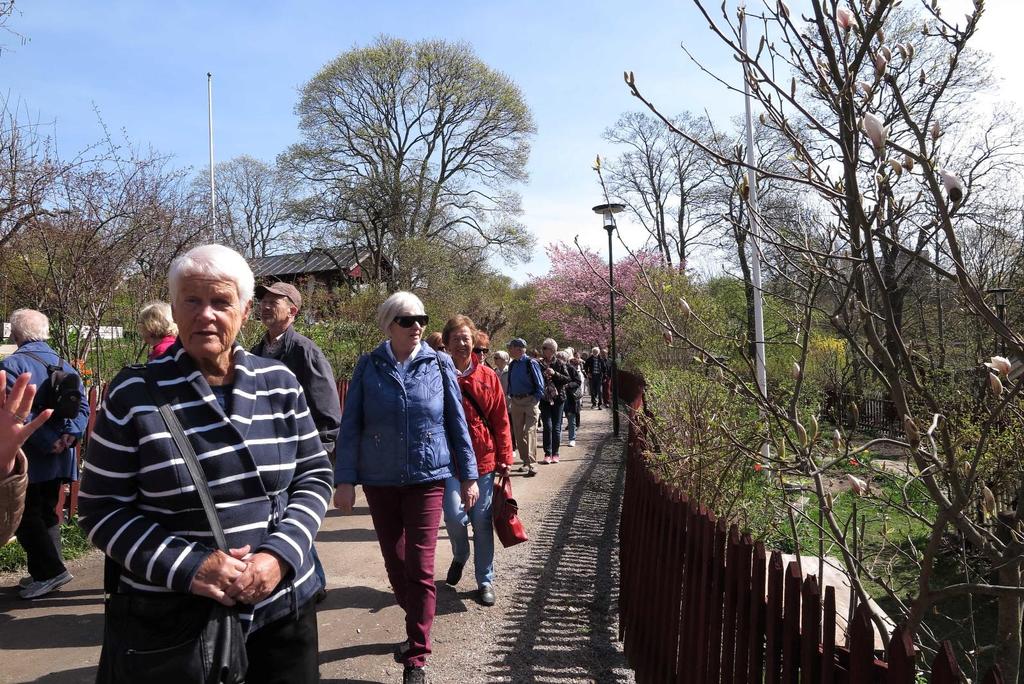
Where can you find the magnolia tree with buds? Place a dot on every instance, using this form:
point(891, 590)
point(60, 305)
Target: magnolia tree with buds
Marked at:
point(895, 168)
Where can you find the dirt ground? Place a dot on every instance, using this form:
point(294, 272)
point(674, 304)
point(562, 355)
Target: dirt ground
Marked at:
point(555, 619)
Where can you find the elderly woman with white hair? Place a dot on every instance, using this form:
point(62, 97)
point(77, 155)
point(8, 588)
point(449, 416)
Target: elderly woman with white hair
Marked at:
point(557, 377)
point(205, 486)
point(403, 433)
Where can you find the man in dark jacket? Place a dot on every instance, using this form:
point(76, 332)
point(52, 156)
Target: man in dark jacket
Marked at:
point(52, 455)
point(279, 305)
point(596, 370)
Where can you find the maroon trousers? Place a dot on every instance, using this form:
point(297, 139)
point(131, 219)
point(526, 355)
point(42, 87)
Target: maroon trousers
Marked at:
point(406, 521)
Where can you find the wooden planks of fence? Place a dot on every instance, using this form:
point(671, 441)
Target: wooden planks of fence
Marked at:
point(701, 603)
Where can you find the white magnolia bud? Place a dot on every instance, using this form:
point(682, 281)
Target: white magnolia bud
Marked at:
point(844, 17)
point(936, 129)
point(988, 501)
point(837, 439)
point(801, 434)
point(685, 307)
point(857, 485)
point(796, 372)
point(953, 185)
point(995, 385)
point(999, 364)
point(875, 130)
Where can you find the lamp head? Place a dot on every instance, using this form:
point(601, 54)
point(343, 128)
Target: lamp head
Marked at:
point(999, 294)
point(609, 211)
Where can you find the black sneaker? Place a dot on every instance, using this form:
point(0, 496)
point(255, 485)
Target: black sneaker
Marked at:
point(401, 649)
point(454, 573)
point(414, 675)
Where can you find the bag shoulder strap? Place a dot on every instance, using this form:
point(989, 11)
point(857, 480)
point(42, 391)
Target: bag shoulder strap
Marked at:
point(188, 454)
point(476, 406)
point(50, 367)
point(444, 383)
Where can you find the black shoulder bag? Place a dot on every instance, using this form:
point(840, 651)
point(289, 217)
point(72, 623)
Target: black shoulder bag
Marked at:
point(172, 638)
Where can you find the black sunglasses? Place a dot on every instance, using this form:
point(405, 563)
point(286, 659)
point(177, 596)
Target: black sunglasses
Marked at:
point(407, 321)
point(481, 350)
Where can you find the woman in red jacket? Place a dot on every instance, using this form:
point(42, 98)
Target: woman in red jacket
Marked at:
point(487, 414)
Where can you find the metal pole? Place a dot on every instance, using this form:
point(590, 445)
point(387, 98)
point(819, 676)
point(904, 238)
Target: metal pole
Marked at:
point(613, 352)
point(1001, 313)
point(753, 215)
point(213, 187)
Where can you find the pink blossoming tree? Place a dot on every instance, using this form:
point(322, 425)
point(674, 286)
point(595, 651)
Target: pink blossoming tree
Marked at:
point(574, 293)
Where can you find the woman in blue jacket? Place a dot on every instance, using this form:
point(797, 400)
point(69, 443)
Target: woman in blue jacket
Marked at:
point(403, 433)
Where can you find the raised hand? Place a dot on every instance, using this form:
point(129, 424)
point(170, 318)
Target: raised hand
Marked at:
point(15, 409)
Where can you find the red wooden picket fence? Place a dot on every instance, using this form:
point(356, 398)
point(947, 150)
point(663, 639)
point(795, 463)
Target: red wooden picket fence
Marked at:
point(700, 602)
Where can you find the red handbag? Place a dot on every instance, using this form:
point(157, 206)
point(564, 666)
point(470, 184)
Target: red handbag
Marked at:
point(507, 524)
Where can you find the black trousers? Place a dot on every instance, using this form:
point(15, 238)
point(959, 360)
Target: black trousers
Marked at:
point(33, 532)
point(595, 391)
point(286, 650)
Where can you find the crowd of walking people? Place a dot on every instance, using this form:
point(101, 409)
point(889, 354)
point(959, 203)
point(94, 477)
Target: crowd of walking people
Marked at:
point(210, 468)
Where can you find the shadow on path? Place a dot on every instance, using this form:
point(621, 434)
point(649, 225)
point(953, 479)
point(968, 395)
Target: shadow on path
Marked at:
point(562, 626)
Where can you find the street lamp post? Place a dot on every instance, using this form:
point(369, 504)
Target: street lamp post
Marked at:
point(608, 211)
point(999, 294)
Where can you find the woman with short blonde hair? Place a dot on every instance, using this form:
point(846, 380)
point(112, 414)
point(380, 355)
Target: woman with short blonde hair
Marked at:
point(157, 327)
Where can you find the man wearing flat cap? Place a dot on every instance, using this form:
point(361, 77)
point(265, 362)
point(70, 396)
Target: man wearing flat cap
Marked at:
point(525, 389)
point(279, 305)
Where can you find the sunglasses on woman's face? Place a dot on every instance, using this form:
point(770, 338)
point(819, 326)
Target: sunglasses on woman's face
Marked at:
point(481, 350)
point(408, 321)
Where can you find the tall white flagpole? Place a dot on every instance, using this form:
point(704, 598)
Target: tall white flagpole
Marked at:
point(753, 216)
point(213, 187)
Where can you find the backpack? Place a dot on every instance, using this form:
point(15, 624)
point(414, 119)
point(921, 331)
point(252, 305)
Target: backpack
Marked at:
point(61, 391)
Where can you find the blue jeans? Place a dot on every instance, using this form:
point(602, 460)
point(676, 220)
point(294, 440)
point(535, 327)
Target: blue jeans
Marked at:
point(480, 518)
point(551, 419)
point(572, 417)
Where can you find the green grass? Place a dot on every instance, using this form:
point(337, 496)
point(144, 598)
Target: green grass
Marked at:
point(74, 541)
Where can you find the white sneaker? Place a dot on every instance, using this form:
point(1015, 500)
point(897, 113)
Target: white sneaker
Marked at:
point(44, 587)
point(572, 442)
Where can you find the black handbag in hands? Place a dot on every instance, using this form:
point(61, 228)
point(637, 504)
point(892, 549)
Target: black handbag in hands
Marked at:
point(172, 638)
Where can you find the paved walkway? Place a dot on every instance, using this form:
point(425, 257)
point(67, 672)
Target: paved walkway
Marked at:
point(555, 619)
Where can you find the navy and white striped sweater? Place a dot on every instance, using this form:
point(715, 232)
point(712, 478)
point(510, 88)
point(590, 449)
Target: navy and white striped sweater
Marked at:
point(267, 470)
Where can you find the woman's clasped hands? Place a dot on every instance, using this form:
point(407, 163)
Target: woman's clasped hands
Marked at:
point(238, 576)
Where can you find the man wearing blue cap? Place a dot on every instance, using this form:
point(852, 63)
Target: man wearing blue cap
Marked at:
point(525, 389)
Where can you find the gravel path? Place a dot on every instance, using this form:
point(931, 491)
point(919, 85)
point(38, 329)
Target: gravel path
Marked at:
point(555, 619)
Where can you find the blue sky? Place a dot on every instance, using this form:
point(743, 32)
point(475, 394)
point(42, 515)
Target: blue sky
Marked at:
point(143, 66)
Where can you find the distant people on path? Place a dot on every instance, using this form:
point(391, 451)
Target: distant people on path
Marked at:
point(15, 429)
point(481, 348)
point(435, 342)
point(556, 377)
point(501, 359)
point(483, 401)
point(157, 328)
point(247, 419)
point(595, 370)
point(606, 382)
point(52, 449)
point(279, 305)
point(403, 434)
point(525, 390)
point(573, 397)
